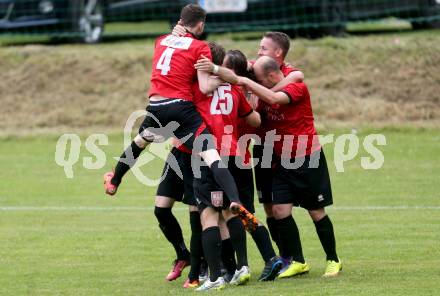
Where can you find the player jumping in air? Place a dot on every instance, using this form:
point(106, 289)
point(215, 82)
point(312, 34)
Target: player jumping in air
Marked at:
point(171, 104)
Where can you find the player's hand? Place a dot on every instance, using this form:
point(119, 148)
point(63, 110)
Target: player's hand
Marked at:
point(250, 66)
point(178, 29)
point(252, 99)
point(204, 64)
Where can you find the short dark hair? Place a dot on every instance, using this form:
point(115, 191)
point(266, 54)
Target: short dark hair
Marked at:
point(192, 14)
point(237, 62)
point(281, 39)
point(269, 65)
point(218, 52)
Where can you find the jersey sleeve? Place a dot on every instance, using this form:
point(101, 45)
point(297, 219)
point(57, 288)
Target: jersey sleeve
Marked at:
point(287, 69)
point(204, 50)
point(244, 108)
point(295, 91)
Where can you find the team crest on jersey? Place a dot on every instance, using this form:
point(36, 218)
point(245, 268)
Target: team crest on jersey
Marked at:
point(177, 42)
point(217, 198)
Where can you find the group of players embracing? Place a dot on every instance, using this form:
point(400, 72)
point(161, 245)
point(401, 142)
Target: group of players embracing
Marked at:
point(213, 102)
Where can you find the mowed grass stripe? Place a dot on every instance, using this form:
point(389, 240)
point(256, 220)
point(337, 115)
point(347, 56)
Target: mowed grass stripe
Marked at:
point(183, 209)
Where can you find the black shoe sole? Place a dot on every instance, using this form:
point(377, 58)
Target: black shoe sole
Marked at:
point(273, 273)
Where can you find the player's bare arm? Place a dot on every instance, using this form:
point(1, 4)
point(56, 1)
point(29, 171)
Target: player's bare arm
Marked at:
point(264, 93)
point(207, 82)
point(204, 64)
point(295, 76)
point(178, 29)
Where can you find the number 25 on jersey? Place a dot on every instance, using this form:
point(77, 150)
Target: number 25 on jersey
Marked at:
point(222, 102)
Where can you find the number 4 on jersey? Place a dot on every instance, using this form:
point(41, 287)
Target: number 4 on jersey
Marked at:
point(165, 60)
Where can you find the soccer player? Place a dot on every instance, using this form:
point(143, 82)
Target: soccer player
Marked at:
point(171, 103)
point(237, 61)
point(173, 188)
point(217, 53)
point(307, 184)
point(172, 113)
point(221, 111)
point(275, 45)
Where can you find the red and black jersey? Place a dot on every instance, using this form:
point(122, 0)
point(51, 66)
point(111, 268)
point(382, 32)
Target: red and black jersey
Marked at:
point(294, 119)
point(287, 69)
point(221, 111)
point(173, 71)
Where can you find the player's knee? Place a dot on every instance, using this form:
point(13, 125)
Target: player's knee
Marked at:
point(162, 214)
point(281, 211)
point(268, 209)
point(210, 156)
point(140, 142)
point(163, 202)
point(318, 214)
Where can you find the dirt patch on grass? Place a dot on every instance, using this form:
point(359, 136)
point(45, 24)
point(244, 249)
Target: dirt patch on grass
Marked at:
point(373, 80)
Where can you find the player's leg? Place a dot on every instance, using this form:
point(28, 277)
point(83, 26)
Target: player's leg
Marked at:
point(326, 234)
point(290, 240)
point(128, 158)
point(198, 271)
point(321, 196)
point(283, 200)
point(238, 238)
point(324, 229)
point(171, 189)
point(196, 248)
point(173, 232)
point(209, 202)
point(126, 161)
point(221, 174)
point(263, 184)
point(284, 255)
point(228, 252)
point(259, 234)
point(211, 242)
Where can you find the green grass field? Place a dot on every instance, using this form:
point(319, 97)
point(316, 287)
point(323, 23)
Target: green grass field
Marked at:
point(62, 236)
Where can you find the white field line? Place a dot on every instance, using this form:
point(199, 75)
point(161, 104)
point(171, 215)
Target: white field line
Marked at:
point(182, 208)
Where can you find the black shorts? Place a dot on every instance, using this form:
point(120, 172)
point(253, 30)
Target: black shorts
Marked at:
point(175, 118)
point(172, 185)
point(306, 187)
point(209, 194)
point(263, 176)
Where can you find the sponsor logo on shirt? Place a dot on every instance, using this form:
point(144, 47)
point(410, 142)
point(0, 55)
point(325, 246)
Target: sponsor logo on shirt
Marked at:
point(273, 113)
point(217, 198)
point(177, 42)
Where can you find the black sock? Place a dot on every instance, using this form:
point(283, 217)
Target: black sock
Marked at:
point(238, 239)
point(196, 248)
point(225, 180)
point(272, 225)
point(172, 231)
point(228, 256)
point(211, 242)
point(326, 234)
point(121, 167)
point(264, 245)
point(289, 238)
